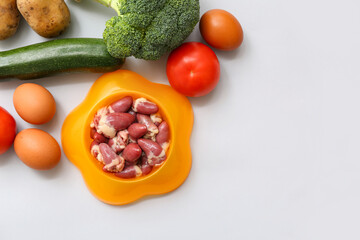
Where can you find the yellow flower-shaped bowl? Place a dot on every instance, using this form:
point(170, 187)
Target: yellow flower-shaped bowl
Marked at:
point(174, 108)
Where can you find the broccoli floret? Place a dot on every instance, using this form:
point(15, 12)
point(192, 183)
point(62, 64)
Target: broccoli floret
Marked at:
point(147, 29)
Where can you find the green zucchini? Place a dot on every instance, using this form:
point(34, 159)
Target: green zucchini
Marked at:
point(60, 55)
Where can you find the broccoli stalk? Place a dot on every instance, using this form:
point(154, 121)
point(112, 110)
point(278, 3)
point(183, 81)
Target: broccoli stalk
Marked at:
point(110, 3)
point(147, 29)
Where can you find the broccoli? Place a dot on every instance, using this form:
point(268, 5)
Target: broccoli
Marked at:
point(147, 29)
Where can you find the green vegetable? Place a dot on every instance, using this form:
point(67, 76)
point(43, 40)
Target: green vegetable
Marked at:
point(60, 55)
point(147, 29)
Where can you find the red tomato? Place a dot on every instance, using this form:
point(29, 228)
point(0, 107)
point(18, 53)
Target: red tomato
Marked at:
point(221, 30)
point(193, 69)
point(7, 130)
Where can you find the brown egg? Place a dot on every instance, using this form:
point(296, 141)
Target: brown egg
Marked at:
point(37, 149)
point(34, 103)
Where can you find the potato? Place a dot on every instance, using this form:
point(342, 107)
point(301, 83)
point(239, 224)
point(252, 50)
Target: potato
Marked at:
point(9, 18)
point(48, 18)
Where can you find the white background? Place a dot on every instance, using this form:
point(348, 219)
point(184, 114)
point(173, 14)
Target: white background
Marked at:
point(275, 146)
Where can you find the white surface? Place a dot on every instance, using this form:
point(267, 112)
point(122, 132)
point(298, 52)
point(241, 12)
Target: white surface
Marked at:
point(275, 146)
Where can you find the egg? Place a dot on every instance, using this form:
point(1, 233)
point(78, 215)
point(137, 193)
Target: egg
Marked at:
point(221, 30)
point(34, 103)
point(37, 149)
